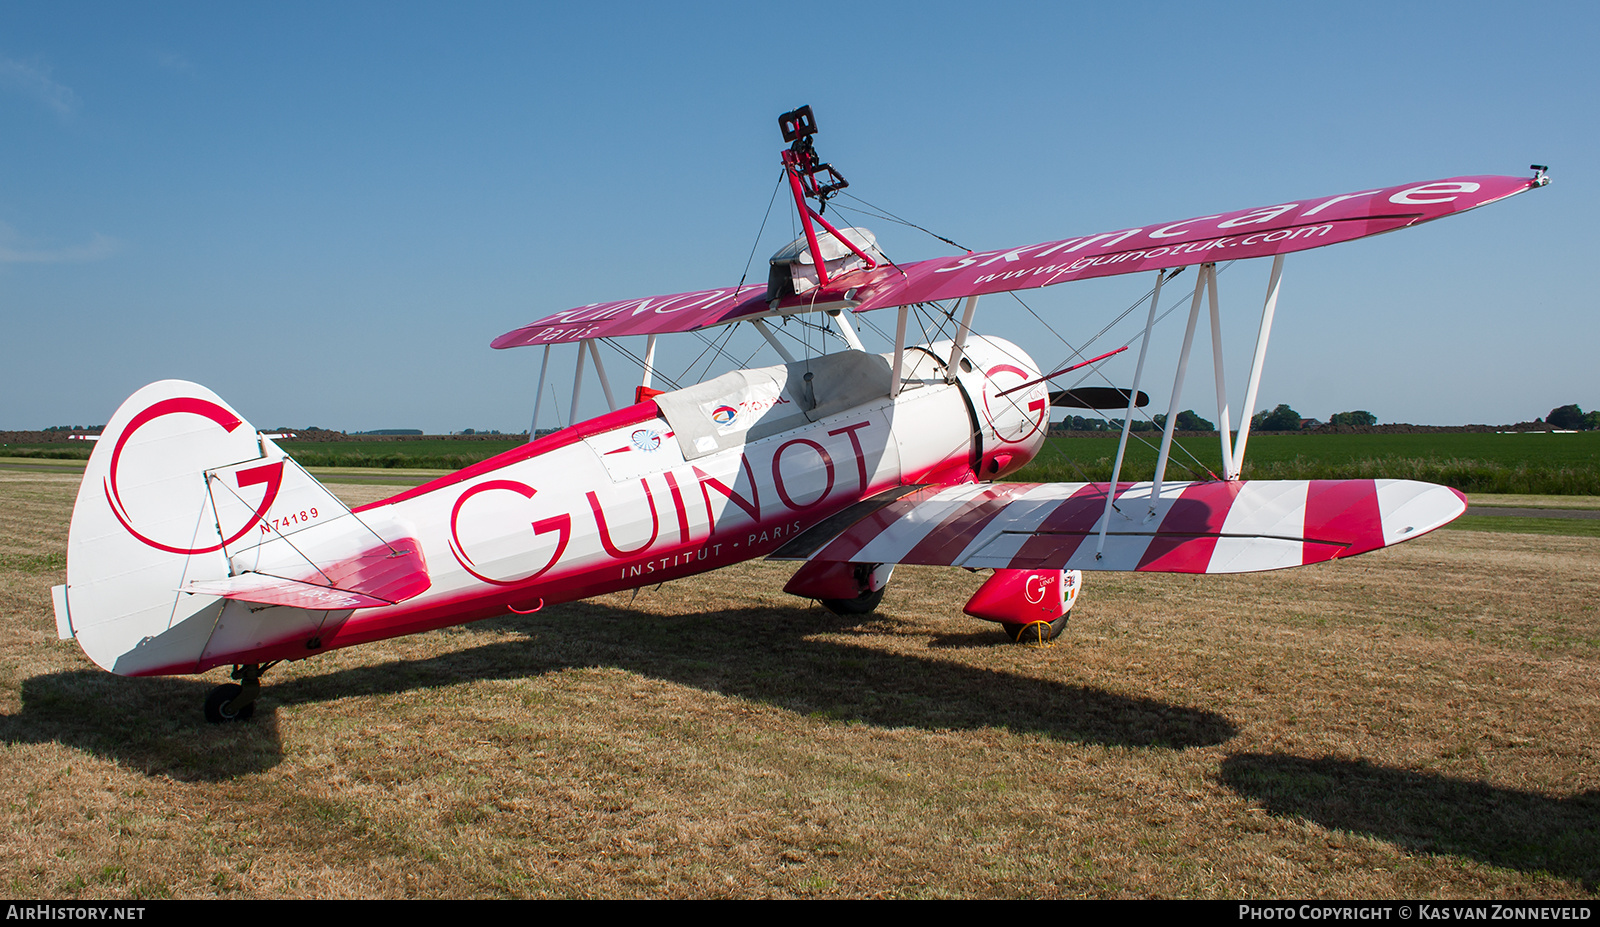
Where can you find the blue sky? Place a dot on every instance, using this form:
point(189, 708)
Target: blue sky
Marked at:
point(324, 212)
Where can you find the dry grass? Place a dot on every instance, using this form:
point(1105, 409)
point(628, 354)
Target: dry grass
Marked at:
point(1417, 722)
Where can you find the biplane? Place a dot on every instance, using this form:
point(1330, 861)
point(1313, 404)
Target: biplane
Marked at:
point(196, 542)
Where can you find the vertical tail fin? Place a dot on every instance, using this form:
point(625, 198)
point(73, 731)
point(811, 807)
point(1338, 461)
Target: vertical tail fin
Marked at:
point(186, 514)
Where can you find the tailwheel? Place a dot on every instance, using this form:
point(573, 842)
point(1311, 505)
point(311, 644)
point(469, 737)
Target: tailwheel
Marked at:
point(236, 702)
point(1036, 632)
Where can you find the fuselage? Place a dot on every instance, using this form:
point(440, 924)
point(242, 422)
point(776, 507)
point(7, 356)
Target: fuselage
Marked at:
point(697, 479)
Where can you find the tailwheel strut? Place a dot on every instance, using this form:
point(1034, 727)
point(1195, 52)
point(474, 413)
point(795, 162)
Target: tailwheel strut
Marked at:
point(237, 702)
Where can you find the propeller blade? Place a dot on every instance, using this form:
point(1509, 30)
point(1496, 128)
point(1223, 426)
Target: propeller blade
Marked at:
point(1095, 397)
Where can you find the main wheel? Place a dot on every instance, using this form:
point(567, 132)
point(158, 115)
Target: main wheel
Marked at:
point(1036, 632)
point(863, 604)
point(217, 705)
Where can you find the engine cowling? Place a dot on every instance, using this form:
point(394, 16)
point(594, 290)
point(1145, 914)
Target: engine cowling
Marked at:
point(1012, 422)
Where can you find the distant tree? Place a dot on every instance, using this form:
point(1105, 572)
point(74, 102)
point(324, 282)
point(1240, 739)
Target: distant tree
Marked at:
point(1282, 418)
point(1080, 423)
point(1591, 421)
point(469, 431)
point(1570, 417)
point(1359, 417)
point(1189, 421)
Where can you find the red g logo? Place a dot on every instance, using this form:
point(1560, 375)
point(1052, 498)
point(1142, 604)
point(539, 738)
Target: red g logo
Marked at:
point(271, 474)
point(561, 524)
point(1014, 418)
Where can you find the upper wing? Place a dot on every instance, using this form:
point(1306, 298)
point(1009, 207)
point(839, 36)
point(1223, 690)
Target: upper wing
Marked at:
point(1246, 233)
point(652, 315)
point(1212, 527)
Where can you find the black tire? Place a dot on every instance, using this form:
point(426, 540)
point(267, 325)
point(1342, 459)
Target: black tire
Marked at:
point(217, 705)
point(864, 604)
point(1036, 632)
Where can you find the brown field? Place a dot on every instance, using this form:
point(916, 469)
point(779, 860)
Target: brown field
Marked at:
point(1418, 722)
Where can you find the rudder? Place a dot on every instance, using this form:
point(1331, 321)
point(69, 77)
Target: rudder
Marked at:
point(185, 514)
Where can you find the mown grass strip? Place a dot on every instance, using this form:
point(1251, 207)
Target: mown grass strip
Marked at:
point(1512, 524)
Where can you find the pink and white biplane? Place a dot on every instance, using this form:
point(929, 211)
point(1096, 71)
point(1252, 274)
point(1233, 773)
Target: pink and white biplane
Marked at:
point(196, 542)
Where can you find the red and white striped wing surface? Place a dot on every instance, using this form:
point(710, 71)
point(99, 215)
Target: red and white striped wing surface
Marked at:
point(1213, 527)
point(1280, 228)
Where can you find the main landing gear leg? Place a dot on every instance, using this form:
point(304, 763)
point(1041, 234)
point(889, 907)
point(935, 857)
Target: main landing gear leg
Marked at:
point(871, 579)
point(230, 702)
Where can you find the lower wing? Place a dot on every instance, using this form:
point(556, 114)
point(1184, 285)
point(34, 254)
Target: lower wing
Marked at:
point(1211, 527)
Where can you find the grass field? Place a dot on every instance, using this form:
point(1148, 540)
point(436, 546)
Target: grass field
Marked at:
point(1417, 722)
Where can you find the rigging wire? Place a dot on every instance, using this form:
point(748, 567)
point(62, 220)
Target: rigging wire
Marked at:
point(638, 361)
point(876, 211)
point(556, 402)
point(1177, 302)
point(886, 214)
point(759, 232)
point(711, 344)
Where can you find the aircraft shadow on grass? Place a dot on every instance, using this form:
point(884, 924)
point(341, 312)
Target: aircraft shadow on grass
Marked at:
point(1429, 813)
point(763, 654)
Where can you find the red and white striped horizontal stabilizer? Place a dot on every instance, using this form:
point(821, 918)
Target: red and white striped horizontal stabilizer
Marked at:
point(384, 575)
point(1212, 527)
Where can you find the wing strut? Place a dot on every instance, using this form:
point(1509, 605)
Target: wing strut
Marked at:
point(772, 339)
point(847, 331)
point(649, 360)
point(961, 337)
point(1206, 270)
point(899, 350)
point(1224, 425)
point(1232, 451)
point(1127, 418)
point(1262, 334)
point(538, 394)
